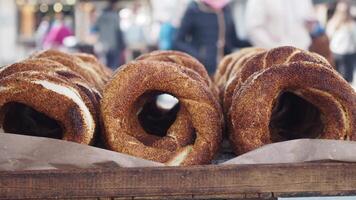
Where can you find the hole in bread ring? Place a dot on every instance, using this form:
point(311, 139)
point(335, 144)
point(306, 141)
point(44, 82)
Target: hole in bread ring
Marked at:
point(169, 130)
point(132, 81)
point(293, 117)
point(21, 119)
point(158, 113)
point(41, 94)
point(252, 106)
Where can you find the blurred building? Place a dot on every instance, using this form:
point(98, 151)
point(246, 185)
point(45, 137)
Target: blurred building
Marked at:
point(20, 20)
point(140, 21)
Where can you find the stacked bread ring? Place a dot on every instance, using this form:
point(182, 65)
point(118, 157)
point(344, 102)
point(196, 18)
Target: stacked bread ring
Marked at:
point(51, 97)
point(85, 65)
point(266, 95)
point(182, 59)
point(286, 93)
point(195, 134)
point(230, 64)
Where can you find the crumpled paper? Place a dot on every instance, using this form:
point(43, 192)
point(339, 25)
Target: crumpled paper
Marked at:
point(19, 152)
point(301, 150)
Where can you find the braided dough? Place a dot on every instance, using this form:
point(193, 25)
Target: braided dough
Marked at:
point(85, 65)
point(43, 97)
point(259, 117)
point(104, 72)
point(232, 63)
point(182, 59)
point(193, 138)
point(281, 94)
point(266, 59)
point(185, 61)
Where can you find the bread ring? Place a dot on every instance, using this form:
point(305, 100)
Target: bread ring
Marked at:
point(104, 72)
point(133, 81)
point(43, 104)
point(184, 60)
point(55, 69)
point(280, 55)
point(31, 64)
point(238, 66)
point(179, 58)
point(231, 62)
point(164, 53)
point(177, 134)
point(88, 72)
point(322, 105)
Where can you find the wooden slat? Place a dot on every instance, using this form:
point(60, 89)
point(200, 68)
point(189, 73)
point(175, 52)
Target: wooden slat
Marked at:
point(252, 181)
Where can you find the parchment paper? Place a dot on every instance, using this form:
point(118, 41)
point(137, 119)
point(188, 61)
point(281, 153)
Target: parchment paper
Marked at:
point(18, 152)
point(301, 150)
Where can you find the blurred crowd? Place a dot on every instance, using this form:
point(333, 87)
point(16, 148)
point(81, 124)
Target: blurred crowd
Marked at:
point(207, 29)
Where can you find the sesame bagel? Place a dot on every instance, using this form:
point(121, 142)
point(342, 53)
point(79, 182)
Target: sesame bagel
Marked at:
point(266, 59)
point(290, 101)
point(76, 64)
point(196, 131)
point(184, 60)
point(232, 63)
point(41, 104)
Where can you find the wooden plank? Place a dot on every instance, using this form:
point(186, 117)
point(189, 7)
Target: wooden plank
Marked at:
point(315, 194)
point(265, 196)
point(178, 197)
point(322, 178)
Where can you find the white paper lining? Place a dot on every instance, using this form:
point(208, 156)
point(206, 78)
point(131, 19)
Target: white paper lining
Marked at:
point(19, 152)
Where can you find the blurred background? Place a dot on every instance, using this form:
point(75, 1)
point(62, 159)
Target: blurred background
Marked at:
point(119, 31)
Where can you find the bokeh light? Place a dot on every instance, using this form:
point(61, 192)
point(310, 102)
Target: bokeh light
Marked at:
point(57, 7)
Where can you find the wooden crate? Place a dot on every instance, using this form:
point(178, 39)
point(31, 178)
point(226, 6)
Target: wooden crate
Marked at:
point(198, 182)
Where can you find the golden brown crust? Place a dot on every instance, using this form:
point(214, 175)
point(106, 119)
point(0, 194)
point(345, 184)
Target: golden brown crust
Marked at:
point(280, 55)
point(56, 69)
point(135, 79)
point(164, 53)
point(178, 134)
point(24, 87)
point(38, 64)
point(184, 60)
point(237, 67)
point(47, 86)
point(177, 58)
point(252, 104)
point(104, 71)
point(88, 72)
point(222, 66)
point(231, 63)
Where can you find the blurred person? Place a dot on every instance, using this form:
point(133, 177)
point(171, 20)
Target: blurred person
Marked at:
point(166, 36)
point(342, 30)
point(134, 34)
point(239, 15)
point(168, 14)
point(59, 30)
point(110, 35)
point(42, 30)
point(273, 23)
point(207, 32)
point(320, 41)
